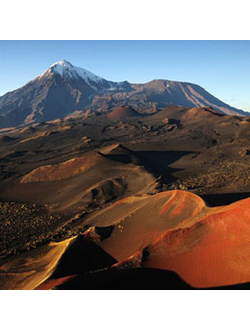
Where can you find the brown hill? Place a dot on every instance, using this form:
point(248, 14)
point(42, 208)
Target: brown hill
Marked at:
point(212, 252)
point(63, 170)
point(170, 111)
point(139, 220)
point(173, 231)
point(91, 180)
point(176, 231)
point(200, 114)
point(123, 112)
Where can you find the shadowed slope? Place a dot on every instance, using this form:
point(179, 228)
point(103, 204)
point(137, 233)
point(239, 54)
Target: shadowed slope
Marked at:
point(140, 220)
point(209, 249)
point(91, 180)
point(213, 252)
point(206, 247)
point(174, 231)
point(28, 270)
point(124, 279)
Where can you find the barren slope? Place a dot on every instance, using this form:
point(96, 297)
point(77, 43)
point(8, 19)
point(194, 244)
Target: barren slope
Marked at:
point(174, 231)
point(123, 112)
point(27, 271)
point(66, 178)
point(94, 178)
point(206, 247)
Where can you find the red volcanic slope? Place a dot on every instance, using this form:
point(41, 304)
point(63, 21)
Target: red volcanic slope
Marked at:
point(176, 231)
point(206, 246)
point(215, 251)
point(140, 220)
point(123, 112)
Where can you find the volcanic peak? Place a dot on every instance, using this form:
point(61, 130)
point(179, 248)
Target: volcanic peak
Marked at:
point(67, 70)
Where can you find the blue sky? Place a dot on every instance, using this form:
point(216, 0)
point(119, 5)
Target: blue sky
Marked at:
point(221, 67)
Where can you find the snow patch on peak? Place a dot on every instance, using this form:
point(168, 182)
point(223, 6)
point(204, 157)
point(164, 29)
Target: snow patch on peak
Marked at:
point(64, 68)
point(67, 70)
point(61, 66)
point(63, 63)
point(70, 72)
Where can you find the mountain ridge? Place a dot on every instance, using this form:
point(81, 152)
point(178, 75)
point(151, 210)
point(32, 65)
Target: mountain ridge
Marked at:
point(64, 88)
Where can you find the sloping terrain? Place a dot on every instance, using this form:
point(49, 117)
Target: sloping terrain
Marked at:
point(54, 94)
point(95, 178)
point(123, 112)
point(206, 247)
point(27, 271)
point(147, 216)
point(160, 93)
point(65, 90)
point(172, 231)
point(58, 198)
point(127, 191)
point(70, 169)
point(212, 252)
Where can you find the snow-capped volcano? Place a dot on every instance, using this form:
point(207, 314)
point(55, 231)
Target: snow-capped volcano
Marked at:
point(64, 88)
point(68, 71)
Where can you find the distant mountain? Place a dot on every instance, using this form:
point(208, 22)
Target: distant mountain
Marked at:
point(62, 89)
point(166, 92)
point(65, 88)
